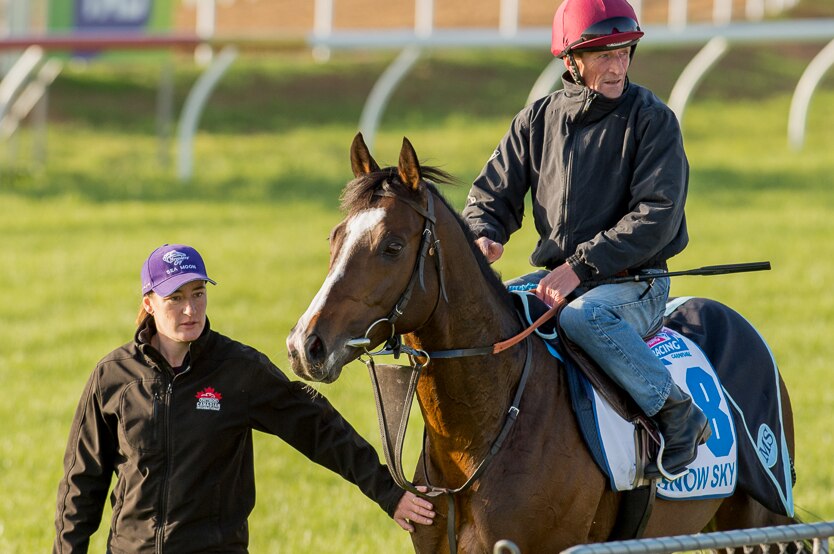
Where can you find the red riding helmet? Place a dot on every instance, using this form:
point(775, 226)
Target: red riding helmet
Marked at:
point(593, 25)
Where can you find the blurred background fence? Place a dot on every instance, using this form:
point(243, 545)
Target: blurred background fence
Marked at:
point(28, 27)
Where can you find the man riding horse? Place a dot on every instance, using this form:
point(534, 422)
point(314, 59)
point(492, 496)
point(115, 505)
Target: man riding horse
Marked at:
point(604, 163)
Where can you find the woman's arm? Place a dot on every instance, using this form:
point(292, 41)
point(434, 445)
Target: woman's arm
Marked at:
point(88, 469)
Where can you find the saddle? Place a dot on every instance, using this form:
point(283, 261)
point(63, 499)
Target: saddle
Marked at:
point(531, 306)
point(636, 504)
point(697, 338)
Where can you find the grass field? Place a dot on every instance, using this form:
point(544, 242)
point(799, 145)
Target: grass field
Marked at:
point(271, 160)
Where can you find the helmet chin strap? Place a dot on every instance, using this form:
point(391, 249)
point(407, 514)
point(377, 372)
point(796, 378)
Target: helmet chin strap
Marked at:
point(574, 70)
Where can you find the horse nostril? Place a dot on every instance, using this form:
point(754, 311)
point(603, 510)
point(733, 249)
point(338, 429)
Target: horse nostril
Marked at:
point(314, 348)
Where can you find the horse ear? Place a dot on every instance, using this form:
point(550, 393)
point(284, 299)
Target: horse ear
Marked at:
point(409, 167)
point(361, 160)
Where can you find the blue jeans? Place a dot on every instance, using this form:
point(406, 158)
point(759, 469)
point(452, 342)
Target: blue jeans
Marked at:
point(609, 322)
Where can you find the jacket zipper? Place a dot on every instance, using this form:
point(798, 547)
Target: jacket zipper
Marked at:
point(166, 479)
point(163, 501)
point(154, 417)
point(590, 96)
point(568, 173)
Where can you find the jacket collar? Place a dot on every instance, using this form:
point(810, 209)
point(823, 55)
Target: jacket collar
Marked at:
point(596, 106)
point(142, 340)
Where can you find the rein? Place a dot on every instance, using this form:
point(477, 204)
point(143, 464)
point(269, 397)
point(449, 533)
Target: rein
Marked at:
point(394, 396)
point(396, 393)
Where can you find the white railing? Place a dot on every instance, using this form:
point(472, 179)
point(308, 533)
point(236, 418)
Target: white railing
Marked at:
point(747, 539)
point(813, 538)
point(715, 38)
point(509, 12)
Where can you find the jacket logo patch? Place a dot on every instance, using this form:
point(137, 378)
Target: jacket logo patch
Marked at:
point(208, 399)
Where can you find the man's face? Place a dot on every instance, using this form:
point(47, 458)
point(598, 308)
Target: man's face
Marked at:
point(605, 71)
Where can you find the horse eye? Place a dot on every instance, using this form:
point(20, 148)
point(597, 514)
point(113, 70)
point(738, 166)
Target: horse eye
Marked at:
point(392, 249)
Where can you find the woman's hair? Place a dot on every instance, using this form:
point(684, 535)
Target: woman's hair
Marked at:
point(142, 316)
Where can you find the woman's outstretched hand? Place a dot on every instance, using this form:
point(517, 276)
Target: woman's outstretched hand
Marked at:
point(413, 509)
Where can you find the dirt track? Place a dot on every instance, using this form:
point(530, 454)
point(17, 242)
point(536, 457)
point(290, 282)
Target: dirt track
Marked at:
point(266, 17)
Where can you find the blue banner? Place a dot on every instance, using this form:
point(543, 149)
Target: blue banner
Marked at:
point(112, 14)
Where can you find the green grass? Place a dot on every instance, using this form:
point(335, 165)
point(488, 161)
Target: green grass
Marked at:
point(271, 161)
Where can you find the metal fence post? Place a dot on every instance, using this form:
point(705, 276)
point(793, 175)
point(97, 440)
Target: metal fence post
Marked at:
point(802, 95)
point(193, 108)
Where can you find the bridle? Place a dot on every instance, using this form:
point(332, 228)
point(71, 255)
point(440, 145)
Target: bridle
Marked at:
point(394, 395)
point(429, 246)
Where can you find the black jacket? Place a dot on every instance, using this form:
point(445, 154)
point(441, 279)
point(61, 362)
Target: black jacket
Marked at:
point(181, 447)
point(608, 180)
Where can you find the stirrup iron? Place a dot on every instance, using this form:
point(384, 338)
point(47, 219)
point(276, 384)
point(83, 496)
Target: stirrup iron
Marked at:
point(659, 461)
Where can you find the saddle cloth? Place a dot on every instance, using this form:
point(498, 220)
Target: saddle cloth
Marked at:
point(714, 472)
point(700, 344)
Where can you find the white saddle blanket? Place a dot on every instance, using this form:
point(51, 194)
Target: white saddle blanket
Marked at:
point(714, 472)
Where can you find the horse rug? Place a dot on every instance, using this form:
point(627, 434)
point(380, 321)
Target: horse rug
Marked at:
point(714, 355)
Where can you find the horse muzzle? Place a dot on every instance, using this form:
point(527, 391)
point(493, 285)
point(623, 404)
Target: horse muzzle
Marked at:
point(312, 360)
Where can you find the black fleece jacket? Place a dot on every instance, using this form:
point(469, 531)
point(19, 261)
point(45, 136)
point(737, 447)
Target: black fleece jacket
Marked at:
point(608, 180)
point(181, 447)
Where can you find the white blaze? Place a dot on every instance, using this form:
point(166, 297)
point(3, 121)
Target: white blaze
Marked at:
point(356, 229)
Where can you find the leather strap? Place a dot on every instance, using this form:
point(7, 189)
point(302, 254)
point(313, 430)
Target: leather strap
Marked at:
point(394, 397)
point(635, 509)
point(512, 341)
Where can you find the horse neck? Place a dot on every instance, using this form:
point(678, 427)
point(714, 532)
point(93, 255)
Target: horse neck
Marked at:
point(465, 400)
point(474, 314)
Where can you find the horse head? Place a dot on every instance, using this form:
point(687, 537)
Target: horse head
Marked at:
point(377, 265)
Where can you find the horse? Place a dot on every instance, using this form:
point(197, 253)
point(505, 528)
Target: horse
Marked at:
point(542, 489)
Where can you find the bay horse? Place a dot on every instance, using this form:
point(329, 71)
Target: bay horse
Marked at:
point(542, 489)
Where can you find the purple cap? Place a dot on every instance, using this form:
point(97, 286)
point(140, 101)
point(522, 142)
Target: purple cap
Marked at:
point(171, 266)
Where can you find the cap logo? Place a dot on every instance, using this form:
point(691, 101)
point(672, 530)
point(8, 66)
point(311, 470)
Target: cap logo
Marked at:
point(176, 259)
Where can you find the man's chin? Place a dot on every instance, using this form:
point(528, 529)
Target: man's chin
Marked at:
point(611, 93)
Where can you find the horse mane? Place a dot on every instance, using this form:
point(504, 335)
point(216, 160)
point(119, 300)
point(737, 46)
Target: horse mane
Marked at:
point(359, 195)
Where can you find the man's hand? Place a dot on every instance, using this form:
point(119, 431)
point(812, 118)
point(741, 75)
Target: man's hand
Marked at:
point(491, 249)
point(413, 509)
point(557, 285)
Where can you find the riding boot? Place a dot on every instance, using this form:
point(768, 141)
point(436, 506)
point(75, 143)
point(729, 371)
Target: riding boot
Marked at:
point(683, 427)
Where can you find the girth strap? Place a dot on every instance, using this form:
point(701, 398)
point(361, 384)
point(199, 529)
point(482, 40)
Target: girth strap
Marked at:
point(635, 510)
